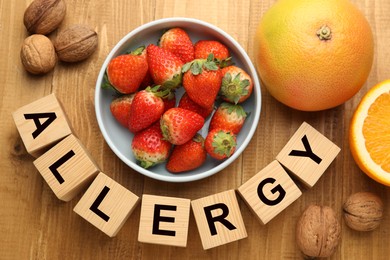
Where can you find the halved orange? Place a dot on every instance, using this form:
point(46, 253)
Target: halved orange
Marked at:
point(369, 135)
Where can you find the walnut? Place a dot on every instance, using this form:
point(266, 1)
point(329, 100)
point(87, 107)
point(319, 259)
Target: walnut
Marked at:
point(363, 211)
point(37, 54)
point(318, 231)
point(76, 43)
point(44, 16)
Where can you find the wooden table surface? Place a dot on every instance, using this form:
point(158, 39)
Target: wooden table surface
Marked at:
point(34, 224)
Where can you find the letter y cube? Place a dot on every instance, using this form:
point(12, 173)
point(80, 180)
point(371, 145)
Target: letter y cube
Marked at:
point(308, 154)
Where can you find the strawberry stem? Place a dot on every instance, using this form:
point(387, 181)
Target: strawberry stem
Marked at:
point(137, 51)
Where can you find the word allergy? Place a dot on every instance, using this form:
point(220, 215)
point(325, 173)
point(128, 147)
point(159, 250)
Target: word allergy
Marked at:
point(68, 169)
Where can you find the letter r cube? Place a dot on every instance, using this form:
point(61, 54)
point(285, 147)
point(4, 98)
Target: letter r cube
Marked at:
point(219, 219)
point(308, 154)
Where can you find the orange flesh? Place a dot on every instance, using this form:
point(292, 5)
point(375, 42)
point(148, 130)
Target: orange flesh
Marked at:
point(376, 131)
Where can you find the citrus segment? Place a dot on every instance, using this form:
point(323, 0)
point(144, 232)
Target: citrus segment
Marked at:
point(370, 133)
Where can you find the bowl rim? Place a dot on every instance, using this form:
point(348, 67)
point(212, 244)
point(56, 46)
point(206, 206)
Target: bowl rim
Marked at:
point(178, 178)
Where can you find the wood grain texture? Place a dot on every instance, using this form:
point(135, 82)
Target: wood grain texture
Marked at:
point(34, 224)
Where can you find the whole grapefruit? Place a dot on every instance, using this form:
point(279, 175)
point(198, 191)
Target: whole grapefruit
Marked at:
point(313, 54)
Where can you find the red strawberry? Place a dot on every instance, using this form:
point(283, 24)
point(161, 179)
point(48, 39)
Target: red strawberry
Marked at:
point(147, 108)
point(229, 117)
point(202, 81)
point(126, 72)
point(220, 144)
point(177, 41)
point(236, 86)
point(120, 108)
point(147, 81)
point(164, 67)
point(188, 156)
point(204, 47)
point(169, 100)
point(149, 148)
point(186, 103)
point(180, 125)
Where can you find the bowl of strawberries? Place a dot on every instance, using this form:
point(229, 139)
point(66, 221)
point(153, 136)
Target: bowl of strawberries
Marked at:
point(178, 99)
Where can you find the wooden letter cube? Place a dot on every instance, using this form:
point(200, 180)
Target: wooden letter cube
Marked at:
point(219, 219)
point(41, 124)
point(67, 168)
point(164, 220)
point(269, 192)
point(106, 204)
point(308, 154)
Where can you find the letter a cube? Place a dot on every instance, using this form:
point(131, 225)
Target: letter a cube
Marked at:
point(106, 205)
point(219, 219)
point(269, 192)
point(308, 154)
point(164, 220)
point(41, 124)
point(67, 168)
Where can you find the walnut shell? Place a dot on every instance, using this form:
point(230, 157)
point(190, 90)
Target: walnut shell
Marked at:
point(318, 231)
point(363, 211)
point(76, 43)
point(37, 54)
point(44, 16)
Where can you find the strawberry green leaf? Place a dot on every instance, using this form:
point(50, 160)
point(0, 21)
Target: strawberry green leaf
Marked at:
point(186, 66)
point(196, 68)
point(137, 51)
point(173, 83)
point(106, 83)
point(224, 62)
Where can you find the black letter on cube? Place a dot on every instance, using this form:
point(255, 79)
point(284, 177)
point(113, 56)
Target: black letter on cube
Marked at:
point(277, 188)
point(221, 218)
point(40, 127)
point(307, 153)
point(53, 168)
point(95, 205)
point(157, 218)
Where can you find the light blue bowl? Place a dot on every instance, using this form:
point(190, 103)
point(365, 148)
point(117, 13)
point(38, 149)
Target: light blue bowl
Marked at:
point(119, 138)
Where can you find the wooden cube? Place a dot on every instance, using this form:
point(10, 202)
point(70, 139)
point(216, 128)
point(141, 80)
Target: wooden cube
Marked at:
point(67, 168)
point(219, 219)
point(106, 204)
point(41, 124)
point(269, 192)
point(308, 154)
point(164, 220)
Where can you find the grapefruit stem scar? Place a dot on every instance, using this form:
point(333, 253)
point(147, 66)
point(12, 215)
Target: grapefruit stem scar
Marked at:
point(324, 33)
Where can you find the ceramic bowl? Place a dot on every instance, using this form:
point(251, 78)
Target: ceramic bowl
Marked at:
point(119, 138)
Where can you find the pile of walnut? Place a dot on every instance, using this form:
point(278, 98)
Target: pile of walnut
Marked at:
point(39, 54)
point(318, 230)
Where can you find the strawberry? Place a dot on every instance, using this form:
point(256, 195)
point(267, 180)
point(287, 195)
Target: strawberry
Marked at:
point(149, 147)
point(202, 81)
point(220, 144)
point(229, 117)
point(147, 108)
point(188, 156)
point(164, 67)
point(169, 100)
point(204, 47)
point(147, 81)
point(236, 86)
point(177, 41)
point(120, 108)
point(180, 125)
point(126, 72)
point(186, 103)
